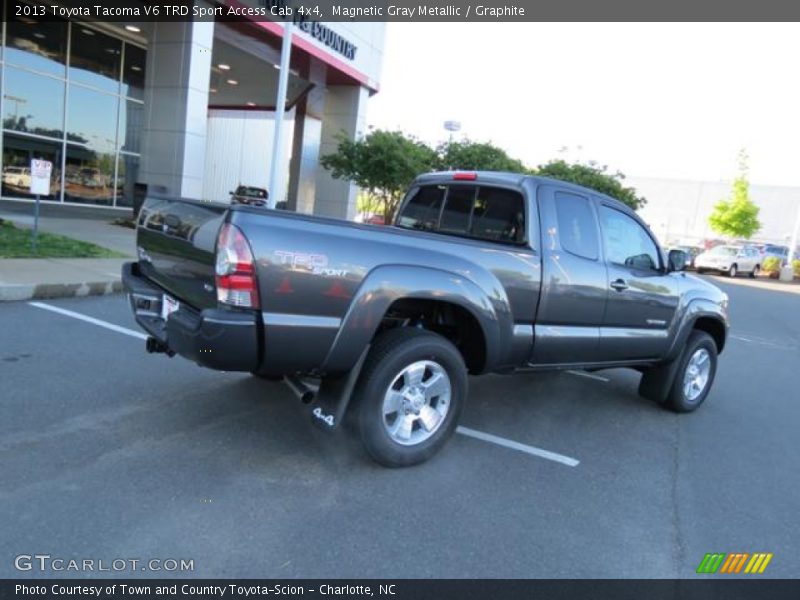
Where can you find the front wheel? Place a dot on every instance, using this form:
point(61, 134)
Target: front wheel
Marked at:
point(409, 396)
point(733, 271)
point(696, 373)
point(755, 272)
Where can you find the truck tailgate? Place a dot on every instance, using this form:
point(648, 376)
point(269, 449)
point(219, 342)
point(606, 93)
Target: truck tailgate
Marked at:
point(175, 242)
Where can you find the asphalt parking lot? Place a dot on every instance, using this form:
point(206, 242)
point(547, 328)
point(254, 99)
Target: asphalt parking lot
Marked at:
point(107, 452)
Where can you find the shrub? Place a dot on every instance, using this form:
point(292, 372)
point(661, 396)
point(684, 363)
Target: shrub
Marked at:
point(771, 264)
point(796, 267)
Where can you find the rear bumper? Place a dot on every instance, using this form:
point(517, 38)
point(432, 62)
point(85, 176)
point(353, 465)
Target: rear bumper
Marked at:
point(220, 339)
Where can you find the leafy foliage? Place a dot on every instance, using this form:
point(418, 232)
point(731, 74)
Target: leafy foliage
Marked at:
point(796, 267)
point(771, 264)
point(382, 163)
point(595, 177)
point(737, 216)
point(477, 156)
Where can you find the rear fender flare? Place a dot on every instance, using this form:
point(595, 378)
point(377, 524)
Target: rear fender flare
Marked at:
point(384, 285)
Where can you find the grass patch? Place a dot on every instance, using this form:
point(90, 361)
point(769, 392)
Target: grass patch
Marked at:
point(16, 243)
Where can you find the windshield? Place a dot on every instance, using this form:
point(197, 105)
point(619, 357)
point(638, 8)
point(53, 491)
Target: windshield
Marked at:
point(724, 251)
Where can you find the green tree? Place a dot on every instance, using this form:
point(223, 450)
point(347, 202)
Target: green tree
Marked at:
point(595, 177)
point(383, 164)
point(737, 216)
point(476, 156)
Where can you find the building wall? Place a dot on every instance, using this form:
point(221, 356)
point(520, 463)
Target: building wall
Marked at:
point(679, 209)
point(239, 151)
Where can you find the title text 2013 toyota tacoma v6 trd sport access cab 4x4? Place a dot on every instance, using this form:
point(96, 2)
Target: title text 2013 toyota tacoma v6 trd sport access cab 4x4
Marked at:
point(480, 272)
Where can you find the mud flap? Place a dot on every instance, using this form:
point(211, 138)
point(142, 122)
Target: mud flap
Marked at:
point(333, 398)
point(657, 382)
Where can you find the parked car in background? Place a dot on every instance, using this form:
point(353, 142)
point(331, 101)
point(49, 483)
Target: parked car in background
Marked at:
point(692, 252)
point(375, 220)
point(779, 252)
point(250, 195)
point(730, 259)
point(19, 177)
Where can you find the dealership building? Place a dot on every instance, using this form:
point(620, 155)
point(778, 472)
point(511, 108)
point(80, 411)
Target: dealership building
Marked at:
point(185, 108)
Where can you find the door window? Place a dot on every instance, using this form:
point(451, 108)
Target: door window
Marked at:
point(577, 228)
point(627, 243)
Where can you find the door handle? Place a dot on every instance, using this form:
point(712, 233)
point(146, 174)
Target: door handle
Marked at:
point(619, 285)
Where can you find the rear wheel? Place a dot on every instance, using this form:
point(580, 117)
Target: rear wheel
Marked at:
point(733, 271)
point(695, 374)
point(409, 396)
point(755, 272)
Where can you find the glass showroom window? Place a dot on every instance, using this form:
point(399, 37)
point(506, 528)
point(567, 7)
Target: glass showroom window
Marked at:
point(95, 59)
point(18, 151)
point(99, 137)
point(41, 46)
point(91, 147)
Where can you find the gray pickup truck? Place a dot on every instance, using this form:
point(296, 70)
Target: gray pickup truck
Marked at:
point(480, 272)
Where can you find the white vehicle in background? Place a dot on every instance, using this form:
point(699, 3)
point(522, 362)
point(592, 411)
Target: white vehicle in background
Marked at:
point(730, 259)
point(19, 177)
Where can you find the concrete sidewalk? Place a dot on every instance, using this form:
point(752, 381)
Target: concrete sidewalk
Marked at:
point(28, 278)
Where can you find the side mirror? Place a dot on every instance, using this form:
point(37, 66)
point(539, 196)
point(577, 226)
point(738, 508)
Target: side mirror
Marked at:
point(676, 260)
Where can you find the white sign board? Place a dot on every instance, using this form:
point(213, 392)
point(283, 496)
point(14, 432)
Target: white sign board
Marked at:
point(40, 176)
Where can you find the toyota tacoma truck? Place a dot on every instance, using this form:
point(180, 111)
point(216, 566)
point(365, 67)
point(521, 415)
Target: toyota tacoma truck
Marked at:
point(480, 272)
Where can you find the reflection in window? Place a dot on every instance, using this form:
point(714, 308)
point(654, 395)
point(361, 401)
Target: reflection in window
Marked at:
point(18, 151)
point(95, 58)
point(421, 211)
point(36, 45)
point(88, 176)
point(92, 118)
point(131, 123)
point(457, 210)
point(33, 103)
point(127, 173)
point(577, 228)
point(627, 243)
point(133, 73)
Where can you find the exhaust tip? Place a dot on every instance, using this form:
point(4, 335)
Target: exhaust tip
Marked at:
point(304, 393)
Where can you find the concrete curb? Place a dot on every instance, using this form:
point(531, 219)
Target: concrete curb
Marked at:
point(10, 292)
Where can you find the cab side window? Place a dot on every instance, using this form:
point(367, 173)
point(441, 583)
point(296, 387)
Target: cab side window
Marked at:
point(577, 228)
point(627, 243)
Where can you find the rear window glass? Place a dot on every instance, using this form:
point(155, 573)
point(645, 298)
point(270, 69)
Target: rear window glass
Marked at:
point(457, 210)
point(499, 215)
point(482, 212)
point(421, 211)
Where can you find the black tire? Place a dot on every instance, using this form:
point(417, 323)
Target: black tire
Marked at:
point(391, 353)
point(754, 272)
point(700, 271)
point(677, 399)
point(733, 270)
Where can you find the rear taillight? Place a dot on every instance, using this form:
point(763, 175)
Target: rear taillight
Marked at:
point(235, 269)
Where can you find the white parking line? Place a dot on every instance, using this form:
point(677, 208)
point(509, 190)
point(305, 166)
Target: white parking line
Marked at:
point(478, 435)
point(589, 375)
point(533, 450)
point(92, 320)
point(759, 341)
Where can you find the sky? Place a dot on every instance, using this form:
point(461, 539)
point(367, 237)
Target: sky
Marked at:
point(664, 100)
